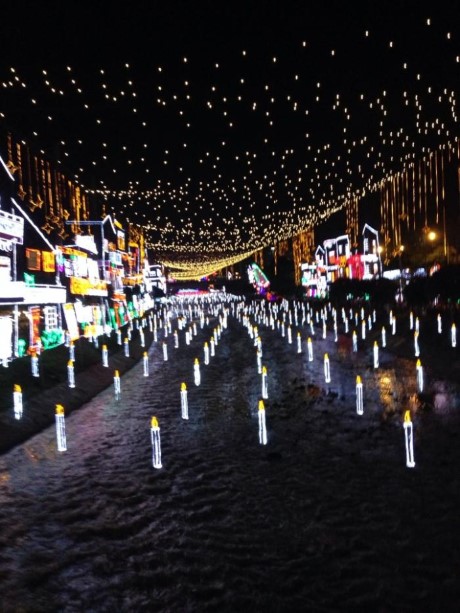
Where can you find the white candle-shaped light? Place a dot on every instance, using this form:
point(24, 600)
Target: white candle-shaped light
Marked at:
point(72, 351)
point(60, 428)
point(324, 329)
point(165, 351)
point(419, 371)
point(439, 323)
point(155, 335)
point(409, 439)
point(289, 335)
point(411, 320)
point(354, 338)
point(212, 346)
point(312, 329)
point(393, 325)
point(416, 347)
point(359, 396)
point(126, 347)
point(70, 374)
point(299, 342)
point(145, 359)
point(336, 338)
point(369, 322)
point(183, 401)
point(376, 354)
point(118, 333)
point(196, 372)
point(384, 337)
point(176, 339)
point(264, 383)
point(363, 329)
point(206, 353)
point(156, 443)
point(142, 337)
point(17, 401)
point(310, 350)
point(345, 322)
point(116, 383)
point(259, 361)
point(453, 335)
point(105, 356)
point(417, 324)
point(327, 369)
point(283, 331)
point(34, 365)
point(262, 423)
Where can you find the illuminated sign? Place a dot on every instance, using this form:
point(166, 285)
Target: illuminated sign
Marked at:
point(86, 241)
point(11, 226)
point(121, 240)
point(6, 335)
point(71, 320)
point(85, 287)
point(34, 259)
point(6, 245)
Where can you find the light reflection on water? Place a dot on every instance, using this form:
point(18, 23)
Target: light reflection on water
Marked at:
point(316, 519)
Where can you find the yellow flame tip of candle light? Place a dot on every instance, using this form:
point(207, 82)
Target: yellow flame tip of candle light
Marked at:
point(261, 405)
point(418, 364)
point(145, 354)
point(59, 409)
point(358, 379)
point(183, 387)
point(326, 357)
point(264, 370)
point(70, 363)
point(17, 388)
point(154, 422)
point(407, 418)
point(104, 346)
point(196, 361)
point(116, 374)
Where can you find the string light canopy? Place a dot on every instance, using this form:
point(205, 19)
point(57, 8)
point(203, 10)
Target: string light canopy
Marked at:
point(218, 152)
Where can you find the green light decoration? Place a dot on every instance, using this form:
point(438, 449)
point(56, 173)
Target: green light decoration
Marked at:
point(29, 280)
point(52, 338)
point(22, 347)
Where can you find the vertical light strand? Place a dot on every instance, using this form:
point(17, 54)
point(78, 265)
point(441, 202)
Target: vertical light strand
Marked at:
point(425, 194)
point(436, 190)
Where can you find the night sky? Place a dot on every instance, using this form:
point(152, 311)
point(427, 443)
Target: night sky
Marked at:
point(223, 130)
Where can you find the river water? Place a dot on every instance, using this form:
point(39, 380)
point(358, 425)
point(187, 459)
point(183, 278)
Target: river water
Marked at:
point(325, 517)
